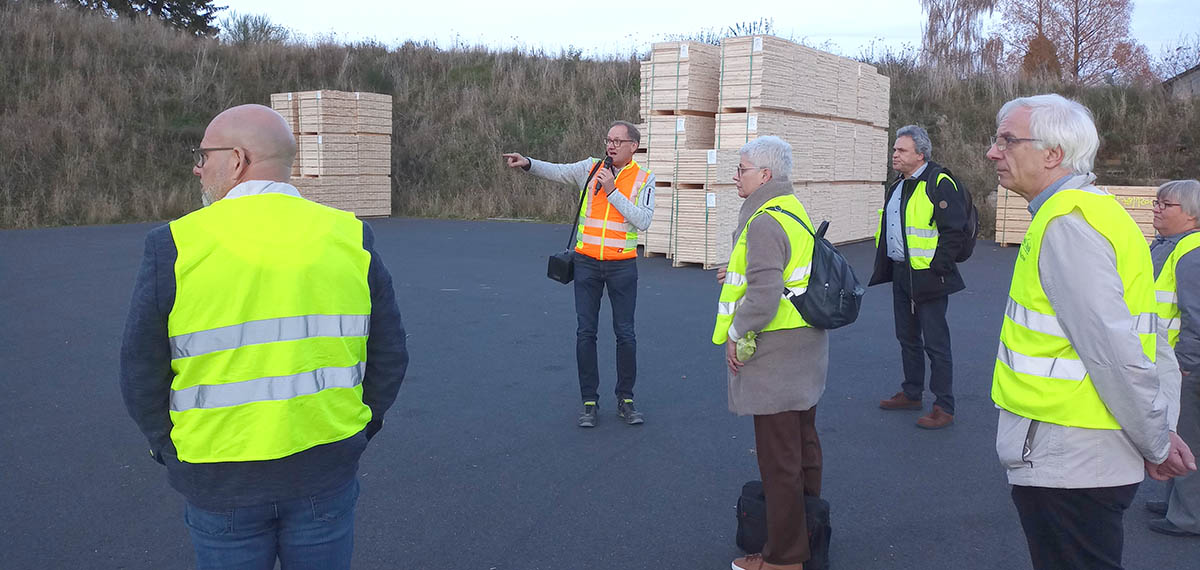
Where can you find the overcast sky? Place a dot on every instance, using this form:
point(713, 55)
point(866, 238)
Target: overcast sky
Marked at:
point(598, 28)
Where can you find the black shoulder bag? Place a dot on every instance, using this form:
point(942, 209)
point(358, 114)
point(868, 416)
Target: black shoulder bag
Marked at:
point(834, 294)
point(561, 266)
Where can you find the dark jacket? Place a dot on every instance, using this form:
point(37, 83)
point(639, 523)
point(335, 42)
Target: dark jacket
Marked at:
point(146, 384)
point(950, 215)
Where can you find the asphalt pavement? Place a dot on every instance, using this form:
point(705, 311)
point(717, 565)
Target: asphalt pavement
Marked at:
point(480, 465)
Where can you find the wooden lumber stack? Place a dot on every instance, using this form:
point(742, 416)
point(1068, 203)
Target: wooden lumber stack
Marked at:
point(1012, 211)
point(344, 148)
point(678, 107)
point(832, 110)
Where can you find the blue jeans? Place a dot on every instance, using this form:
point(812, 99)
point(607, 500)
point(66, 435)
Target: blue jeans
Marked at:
point(591, 277)
point(314, 533)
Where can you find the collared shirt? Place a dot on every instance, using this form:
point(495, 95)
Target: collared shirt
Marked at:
point(1077, 266)
point(252, 187)
point(895, 232)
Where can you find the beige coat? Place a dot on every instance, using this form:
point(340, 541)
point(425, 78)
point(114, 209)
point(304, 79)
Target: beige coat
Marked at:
point(788, 370)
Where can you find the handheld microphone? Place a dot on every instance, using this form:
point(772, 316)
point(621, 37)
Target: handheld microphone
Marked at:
point(607, 164)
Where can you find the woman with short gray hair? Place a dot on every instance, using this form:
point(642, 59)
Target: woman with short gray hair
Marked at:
point(776, 361)
point(1176, 255)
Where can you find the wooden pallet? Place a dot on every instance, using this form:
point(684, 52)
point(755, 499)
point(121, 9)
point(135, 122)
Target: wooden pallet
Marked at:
point(1012, 211)
point(680, 76)
point(362, 195)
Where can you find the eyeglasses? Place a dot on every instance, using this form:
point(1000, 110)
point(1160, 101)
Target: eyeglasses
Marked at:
point(742, 171)
point(1161, 204)
point(1002, 142)
point(616, 142)
point(201, 154)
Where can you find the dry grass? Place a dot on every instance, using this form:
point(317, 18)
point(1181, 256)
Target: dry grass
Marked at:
point(96, 117)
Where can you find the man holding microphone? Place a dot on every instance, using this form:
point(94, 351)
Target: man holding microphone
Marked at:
point(620, 203)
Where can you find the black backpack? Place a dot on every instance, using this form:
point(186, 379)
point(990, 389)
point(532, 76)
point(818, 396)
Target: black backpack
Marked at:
point(971, 228)
point(834, 294)
point(752, 525)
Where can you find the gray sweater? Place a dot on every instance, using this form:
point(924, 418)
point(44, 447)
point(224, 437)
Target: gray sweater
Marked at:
point(787, 371)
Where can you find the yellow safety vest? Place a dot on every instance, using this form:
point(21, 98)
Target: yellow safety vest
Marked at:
point(269, 328)
point(604, 233)
point(795, 273)
point(920, 231)
point(1166, 288)
point(1038, 374)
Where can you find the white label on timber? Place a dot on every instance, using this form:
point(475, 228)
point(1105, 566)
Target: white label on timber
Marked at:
point(320, 139)
point(318, 94)
point(710, 199)
point(289, 96)
point(752, 124)
point(712, 156)
point(860, 70)
point(683, 51)
point(679, 125)
point(757, 44)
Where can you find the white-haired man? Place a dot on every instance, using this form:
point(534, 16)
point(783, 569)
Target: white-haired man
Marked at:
point(1084, 410)
point(777, 361)
point(1176, 253)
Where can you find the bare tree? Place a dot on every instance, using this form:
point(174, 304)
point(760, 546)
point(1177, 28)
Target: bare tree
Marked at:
point(953, 38)
point(1091, 38)
point(1176, 59)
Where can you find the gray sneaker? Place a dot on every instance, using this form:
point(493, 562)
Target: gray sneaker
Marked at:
point(587, 419)
point(627, 412)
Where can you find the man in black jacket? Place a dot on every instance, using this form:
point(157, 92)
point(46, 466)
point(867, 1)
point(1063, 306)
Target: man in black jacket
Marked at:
point(921, 232)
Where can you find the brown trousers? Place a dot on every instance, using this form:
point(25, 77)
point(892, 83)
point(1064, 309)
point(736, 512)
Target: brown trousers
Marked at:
point(789, 461)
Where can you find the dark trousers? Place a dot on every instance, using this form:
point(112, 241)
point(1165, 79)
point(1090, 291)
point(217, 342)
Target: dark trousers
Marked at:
point(1074, 529)
point(591, 278)
point(789, 462)
point(922, 330)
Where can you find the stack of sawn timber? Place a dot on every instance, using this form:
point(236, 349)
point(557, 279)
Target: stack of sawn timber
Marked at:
point(344, 148)
point(832, 110)
point(1013, 217)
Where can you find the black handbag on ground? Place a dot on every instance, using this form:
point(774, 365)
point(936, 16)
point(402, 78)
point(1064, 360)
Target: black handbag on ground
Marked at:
point(752, 525)
point(561, 266)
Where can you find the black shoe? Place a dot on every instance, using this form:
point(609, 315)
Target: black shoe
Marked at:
point(1157, 507)
point(587, 419)
point(627, 412)
point(1164, 526)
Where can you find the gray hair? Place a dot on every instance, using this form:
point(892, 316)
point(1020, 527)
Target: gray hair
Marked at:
point(1186, 192)
point(1059, 122)
point(772, 153)
point(631, 130)
point(920, 140)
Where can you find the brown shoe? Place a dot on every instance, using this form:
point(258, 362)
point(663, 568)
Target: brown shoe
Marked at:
point(756, 562)
point(900, 402)
point(937, 419)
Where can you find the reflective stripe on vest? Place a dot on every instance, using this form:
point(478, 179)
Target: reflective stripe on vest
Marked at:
point(1038, 374)
point(1166, 286)
point(268, 331)
point(920, 231)
point(796, 272)
point(603, 232)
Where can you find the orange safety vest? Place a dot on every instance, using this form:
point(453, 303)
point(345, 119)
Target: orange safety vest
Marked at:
point(603, 232)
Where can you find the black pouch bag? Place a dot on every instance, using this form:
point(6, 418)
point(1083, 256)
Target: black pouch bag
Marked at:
point(561, 266)
point(752, 525)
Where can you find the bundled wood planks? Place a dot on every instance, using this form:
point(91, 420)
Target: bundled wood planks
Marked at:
point(1012, 211)
point(344, 148)
point(832, 110)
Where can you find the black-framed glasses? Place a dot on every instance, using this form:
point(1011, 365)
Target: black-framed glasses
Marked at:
point(1162, 204)
point(1002, 142)
point(200, 154)
point(616, 142)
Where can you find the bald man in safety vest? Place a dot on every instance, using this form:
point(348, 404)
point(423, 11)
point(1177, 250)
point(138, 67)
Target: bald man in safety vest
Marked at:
point(262, 348)
point(617, 203)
